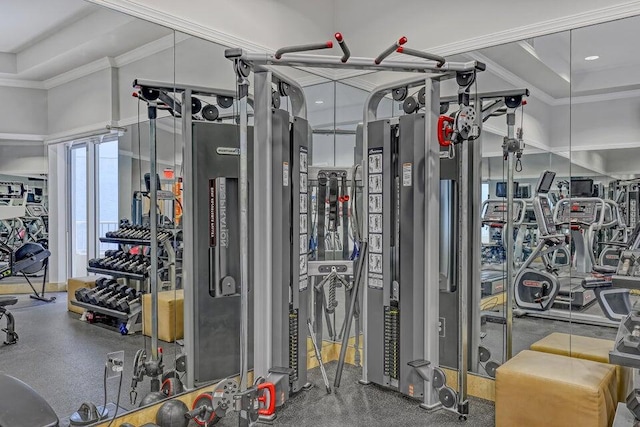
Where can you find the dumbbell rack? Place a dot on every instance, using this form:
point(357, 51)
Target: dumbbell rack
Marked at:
point(133, 319)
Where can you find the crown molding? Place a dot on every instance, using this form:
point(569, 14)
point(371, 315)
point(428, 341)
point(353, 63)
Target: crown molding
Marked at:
point(77, 73)
point(21, 139)
point(26, 84)
point(182, 25)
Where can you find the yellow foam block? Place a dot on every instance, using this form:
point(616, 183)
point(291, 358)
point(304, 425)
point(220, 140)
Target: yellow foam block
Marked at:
point(536, 389)
point(587, 348)
point(170, 315)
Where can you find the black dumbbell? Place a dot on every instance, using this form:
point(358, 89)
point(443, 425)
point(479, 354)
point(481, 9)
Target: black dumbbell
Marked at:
point(112, 264)
point(119, 293)
point(109, 255)
point(94, 296)
point(102, 299)
point(131, 265)
point(82, 294)
point(123, 303)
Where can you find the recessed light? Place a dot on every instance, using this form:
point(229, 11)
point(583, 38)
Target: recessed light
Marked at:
point(319, 101)
point(591, 58)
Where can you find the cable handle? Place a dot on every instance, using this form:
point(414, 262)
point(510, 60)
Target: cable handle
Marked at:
point(303, 48)
point(343, 45)
point(388, 51)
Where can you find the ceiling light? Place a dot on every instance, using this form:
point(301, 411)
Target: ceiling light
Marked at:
point(591, 58)
point(319, 101)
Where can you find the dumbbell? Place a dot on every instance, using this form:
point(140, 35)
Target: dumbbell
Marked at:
point(124, 303)
point(109, 255)
point(128, 258)
point(131, 266)
point(121, 291)
point(115, 291)
point(94, 296)
point(98, 298)
point(82, 294)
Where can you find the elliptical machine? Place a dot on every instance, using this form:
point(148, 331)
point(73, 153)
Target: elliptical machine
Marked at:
point(537, 289)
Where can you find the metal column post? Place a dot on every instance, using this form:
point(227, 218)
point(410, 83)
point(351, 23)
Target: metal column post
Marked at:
point(432, 229)
point(475, 328)
point(188, 221)
point(243, 88)
point(153, 225)
point(262, 222)
point(508, 351)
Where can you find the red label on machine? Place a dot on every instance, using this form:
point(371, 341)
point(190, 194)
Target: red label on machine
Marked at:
point(532, 283)
point(212, 212)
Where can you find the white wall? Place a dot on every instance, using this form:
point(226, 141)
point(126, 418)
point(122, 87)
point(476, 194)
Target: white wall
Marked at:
point(81, 103)
point(25, 159)
point(23, 110)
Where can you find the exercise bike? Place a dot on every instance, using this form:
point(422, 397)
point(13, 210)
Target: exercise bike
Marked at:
point(536, 289)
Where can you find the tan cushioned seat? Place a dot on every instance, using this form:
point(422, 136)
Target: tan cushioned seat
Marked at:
point(588, 348)
point(546, 390)
point(170, 315)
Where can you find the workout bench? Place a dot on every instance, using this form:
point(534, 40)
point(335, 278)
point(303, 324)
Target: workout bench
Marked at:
point(12, 336)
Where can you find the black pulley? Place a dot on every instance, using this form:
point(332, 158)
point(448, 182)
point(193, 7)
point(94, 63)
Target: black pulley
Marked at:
point(196, 105)
point(284, 88)
point(484, 354)
point(243, 68)
point(491, 367)
point(400, 93)
point(210, 113)
point(421, 94)
point(513, 101)
point(275, 99)
point(439, 378)
point(149, 94)
point(181, 363)
point(224, 101)
point(410, 105)
point(447, 397)
point(27, 251)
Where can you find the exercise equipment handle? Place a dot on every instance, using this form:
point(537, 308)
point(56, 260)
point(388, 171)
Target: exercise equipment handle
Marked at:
point(444, 132)
point(303, 48)
point(343, 45)
point(388, 51)
point(418, 53)
point(271, 391)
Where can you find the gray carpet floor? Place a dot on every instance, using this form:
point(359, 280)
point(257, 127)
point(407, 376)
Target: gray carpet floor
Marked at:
point(62, 358)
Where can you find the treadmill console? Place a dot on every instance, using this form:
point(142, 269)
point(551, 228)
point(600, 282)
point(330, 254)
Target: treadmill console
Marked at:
point(11, 190)
point(496, 211)
point(548, 225)
point(36, 211)
point(584, 212)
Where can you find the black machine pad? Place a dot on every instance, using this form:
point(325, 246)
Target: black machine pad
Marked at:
point(7, 300)
point(21, 406)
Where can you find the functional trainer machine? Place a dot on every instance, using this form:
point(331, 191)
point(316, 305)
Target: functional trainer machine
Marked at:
point(419, 187)
point(211, 260)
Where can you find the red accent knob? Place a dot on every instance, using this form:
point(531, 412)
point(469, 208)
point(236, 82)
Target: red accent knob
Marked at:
point(338, 37)
point(524, 102)
point(135, 94)
point(329, 44)
point(346, 198)
point(402, 40)
point(400, 49)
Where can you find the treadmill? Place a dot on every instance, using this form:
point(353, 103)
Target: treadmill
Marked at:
point(494, 215)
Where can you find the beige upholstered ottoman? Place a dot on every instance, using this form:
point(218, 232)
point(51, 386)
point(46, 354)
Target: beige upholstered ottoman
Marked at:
point(546, 390)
